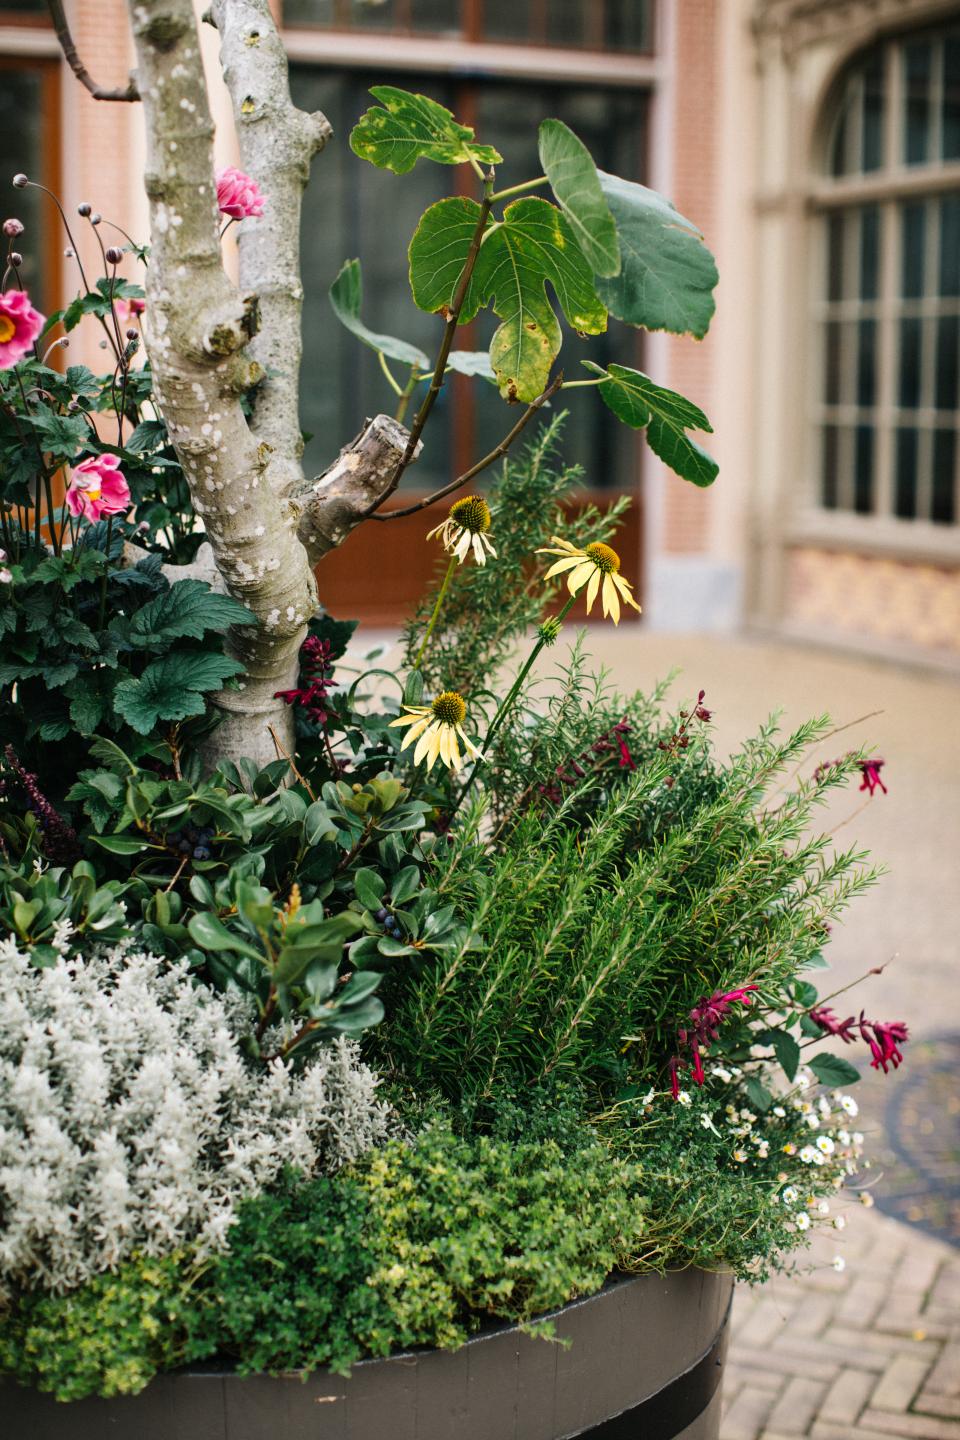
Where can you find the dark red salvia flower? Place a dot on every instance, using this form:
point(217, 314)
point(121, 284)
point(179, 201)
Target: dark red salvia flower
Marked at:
point(316, 680)
point(869, 771)
point(706, 1017)
point(884, 1039)
point(591, 759)
point(59, 837)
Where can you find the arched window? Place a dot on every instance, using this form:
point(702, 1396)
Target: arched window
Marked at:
point(888, 405)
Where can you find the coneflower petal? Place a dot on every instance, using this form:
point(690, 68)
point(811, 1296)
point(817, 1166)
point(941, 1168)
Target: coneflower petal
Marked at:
point(462, 547)
point(425, 742)
point(611, 598)
point(478, 551)
point(579, 577)
point(436, 742)
point(592, 588)
point(562, 565)
point(468, 744)
point(626, 590)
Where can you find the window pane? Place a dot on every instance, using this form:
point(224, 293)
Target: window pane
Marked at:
point(506, 20)
point(838, 148)
point(344, 14)
point(863, 471)
point(343, 217)
point(835, 229)
point(910, 338)
point(950, 245)
point(914, 235)
point(568, 24)
point(833, 362)
point(873, 93)
point(943, 510)
point(948, 343)
point(905, 499)
point(866, 362)
point(628, 25)
point(869, 252)
point(830, 447)
point(22, 148)
point(950, 146)
point(435, 17)
point(917, 67)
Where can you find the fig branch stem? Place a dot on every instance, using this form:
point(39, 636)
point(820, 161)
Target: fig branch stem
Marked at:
point(439, 369)
point(519, 189)
point(489, 459)
point(62, 32)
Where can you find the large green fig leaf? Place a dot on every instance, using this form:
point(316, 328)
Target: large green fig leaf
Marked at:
point(666, 416)
point(346, 297)
point(667, 274)
point(569, 167)
point(531, 245)
point(412, 127)
point(438, 253)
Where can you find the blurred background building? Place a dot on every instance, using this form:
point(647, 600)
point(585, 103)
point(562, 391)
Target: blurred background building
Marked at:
point(817, 145)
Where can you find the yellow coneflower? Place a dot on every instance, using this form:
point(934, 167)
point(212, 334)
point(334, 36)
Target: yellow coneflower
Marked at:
point(590, 566)
point(465, 529)
point(435, 728)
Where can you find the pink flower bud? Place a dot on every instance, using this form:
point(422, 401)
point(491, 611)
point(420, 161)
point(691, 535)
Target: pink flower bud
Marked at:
point(20, 182)
point(12, 228)
point(114, 254)
point(84, 209)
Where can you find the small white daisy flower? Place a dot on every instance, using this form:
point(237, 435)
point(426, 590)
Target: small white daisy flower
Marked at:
point(866, 1200)
point(779, 1111)
point(839, 1263)
point(809, 1155)
point(850, 1105)
point(825, 1144)
point(790, 1195)
point(683, 1098)
point(839, 1223)
point(802, 1220)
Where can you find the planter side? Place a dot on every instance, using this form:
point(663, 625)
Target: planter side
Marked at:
point(644, 1358)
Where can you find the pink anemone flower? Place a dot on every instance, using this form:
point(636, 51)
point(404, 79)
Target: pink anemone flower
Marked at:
point(237, 194)
point(98, 487)
point(20, 325)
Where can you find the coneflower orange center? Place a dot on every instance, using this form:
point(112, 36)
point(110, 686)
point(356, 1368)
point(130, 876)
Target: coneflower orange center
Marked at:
point(603, 557)
point(473, 513)
point(449, 708)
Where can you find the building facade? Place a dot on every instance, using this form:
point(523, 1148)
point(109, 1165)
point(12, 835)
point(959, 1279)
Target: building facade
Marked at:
point(817, 145)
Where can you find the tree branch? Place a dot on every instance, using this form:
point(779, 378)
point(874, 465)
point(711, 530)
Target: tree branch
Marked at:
point(329, 507)
point(494, 454)
point(62, 31)
point(453, 320)
point(277, 143)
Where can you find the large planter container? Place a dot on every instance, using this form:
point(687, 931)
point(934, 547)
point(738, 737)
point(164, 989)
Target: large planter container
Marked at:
point(642, 1360)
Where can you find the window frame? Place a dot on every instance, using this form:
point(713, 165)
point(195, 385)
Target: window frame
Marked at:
point(472, 31)
point(889, 187)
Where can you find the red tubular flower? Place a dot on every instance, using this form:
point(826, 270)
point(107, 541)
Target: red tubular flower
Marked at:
point(316, 670)
point(706, 1018)
point(870, 771)
point(883, 1039)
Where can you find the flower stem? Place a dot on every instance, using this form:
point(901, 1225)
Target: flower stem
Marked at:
point(404, 402)
point(520, 189)
point(436, 610)
point(391, 379)
point(103, 578)
point(506, 704)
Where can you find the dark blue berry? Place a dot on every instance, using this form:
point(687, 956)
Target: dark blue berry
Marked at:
point(380, 915)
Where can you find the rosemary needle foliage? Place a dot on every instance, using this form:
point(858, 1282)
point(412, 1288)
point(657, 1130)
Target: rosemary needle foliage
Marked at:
point(597, 923)
point(487, 608)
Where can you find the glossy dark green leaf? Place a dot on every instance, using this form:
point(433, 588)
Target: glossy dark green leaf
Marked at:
point(666, 416)
point(667, 274)
point(211, 934)
point(832, 1070)
point(575, 182)
point(346, 297)
point(406, 127)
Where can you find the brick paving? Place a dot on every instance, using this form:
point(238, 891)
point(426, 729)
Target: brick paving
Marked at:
point(870, 1353)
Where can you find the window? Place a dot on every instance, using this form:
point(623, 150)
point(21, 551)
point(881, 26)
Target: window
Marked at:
point(889, 314)
point(613, 25)
point(29, 142)
point(352, 209)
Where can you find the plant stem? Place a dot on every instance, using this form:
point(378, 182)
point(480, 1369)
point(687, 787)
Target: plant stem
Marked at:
point(512, 694)
point(453, 320)
point(436, 610)
point(494, 454)
point(581, 384)
point(519, 189)
point(103, 578)
point(391, 381)
point(405, 394)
